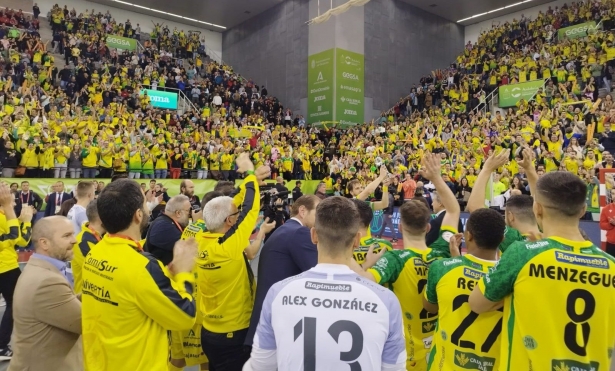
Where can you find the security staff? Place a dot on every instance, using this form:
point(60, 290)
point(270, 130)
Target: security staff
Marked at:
point(129, 298)
point(225, 281)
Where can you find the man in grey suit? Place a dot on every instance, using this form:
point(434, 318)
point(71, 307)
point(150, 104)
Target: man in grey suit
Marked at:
point(47, 313)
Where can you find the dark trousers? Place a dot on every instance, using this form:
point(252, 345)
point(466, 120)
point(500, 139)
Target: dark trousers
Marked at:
point(610, 249)
point(8, 281)
point(224, 353)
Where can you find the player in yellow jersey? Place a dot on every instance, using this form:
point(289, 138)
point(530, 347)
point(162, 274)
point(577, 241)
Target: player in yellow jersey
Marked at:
point(91, 232)
point(519, 215)
point(558, 293)
point(464, 339)
point(405, 271)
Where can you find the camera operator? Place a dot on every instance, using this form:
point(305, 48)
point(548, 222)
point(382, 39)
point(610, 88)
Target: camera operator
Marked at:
point(276, 211)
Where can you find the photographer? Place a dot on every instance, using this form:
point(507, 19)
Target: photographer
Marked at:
point(276, 211)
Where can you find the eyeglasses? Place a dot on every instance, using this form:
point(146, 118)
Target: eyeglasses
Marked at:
point(233, 214)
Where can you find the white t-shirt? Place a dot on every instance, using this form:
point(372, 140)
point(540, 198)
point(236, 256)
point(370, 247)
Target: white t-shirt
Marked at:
point(77, 216)
point(329, 319)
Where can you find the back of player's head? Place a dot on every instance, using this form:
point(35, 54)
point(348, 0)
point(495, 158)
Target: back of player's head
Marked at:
point(487, 228)
point(336, 227)
point(225, 187)
point(521, 206)
point(561, 194)
point(91, 211)
point(118, 203)
point(210, 196)
point(365, 212)
point(415, 216)
point(84, 190)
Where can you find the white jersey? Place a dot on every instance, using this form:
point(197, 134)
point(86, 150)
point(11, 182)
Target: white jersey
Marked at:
point(329, 319)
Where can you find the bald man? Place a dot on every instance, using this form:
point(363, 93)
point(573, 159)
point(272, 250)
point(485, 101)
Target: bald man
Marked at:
point(47, 313)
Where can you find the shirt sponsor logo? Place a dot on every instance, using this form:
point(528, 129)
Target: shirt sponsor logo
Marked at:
point(100, 265)
point(451, 262)
point(586, 261)
point(470, 361)
point(427, 342)
point(428, 327)
point(570, 365)
point(321, 286)
point(99, 293)
point(471, 273)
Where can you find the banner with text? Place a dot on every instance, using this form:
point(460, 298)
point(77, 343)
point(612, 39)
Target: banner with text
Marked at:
point(119, 42)
point(509, 95)
point(320, 86)
point(576, 31)
point(161, 99)
point(350, 84)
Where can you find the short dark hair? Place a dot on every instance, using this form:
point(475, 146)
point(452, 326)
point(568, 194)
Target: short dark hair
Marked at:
point(487, 226)
point(562, 191)
point(366, 214)
point(25, 182)
point(337, 224)
point(119, 176)
point(415, 216)
point(118, 203)
point(83, 188)
point(210, 196)
point(92, 211)
point(308, 201)
point(225, 187)
point(522, 207)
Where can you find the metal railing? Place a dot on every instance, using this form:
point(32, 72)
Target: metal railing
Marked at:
point(489, 99)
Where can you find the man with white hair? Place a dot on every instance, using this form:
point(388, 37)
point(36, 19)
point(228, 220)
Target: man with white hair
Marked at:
point(168, 228)
point(226, 283)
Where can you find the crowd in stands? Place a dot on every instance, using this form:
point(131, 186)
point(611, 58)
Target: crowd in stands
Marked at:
point(88, 118)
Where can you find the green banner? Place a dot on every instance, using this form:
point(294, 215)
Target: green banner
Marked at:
point(44, 186)
point(161, 99)
point(509, 95)
point(576, 31)
point(320, 86)
point(119, 42)
point(350, 83)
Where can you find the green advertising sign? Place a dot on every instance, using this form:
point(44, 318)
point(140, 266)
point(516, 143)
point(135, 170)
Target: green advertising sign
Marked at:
point(320, 86)
point(350, 83)
point(161, 99)
point(509, 95)
point(119, 42)
point(576, 31)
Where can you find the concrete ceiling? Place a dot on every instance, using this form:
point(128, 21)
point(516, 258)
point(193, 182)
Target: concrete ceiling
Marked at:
point(227, 13)
point(455, 10)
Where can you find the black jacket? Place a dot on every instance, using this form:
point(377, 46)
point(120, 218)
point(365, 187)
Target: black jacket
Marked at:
point(161, 237)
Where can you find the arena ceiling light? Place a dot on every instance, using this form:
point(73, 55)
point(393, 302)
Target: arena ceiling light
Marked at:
point(494, 10)
point(167, 13)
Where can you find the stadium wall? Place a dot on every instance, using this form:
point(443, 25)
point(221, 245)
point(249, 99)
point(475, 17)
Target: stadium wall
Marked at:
point(272, 50)
point(473, 31)
point(402, 44)
point(213, 40)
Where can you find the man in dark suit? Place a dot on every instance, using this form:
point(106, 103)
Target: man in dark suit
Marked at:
point(288, 252)
point(55, 199)
point(27, 197)
point(297, 190)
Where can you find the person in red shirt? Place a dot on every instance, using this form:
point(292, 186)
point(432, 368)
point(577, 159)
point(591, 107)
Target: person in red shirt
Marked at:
point(607, 223)
point(409, 187)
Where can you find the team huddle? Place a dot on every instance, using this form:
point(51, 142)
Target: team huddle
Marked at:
point(530, 292)
point(547, 304)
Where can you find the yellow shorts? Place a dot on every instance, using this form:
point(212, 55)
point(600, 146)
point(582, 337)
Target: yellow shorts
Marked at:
point(187, 345)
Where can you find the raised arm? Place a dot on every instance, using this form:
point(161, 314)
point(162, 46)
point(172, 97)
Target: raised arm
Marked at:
point(371, 187)
point(530, 170)
point(477, 197)
point(431, 169)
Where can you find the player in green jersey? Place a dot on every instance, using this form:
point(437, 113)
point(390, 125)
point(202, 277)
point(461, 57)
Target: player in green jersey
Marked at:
point(360, 192)
point(376, 247)
point(519, 216)
point(464, 339)
point(405, 271)
point(558, 293)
